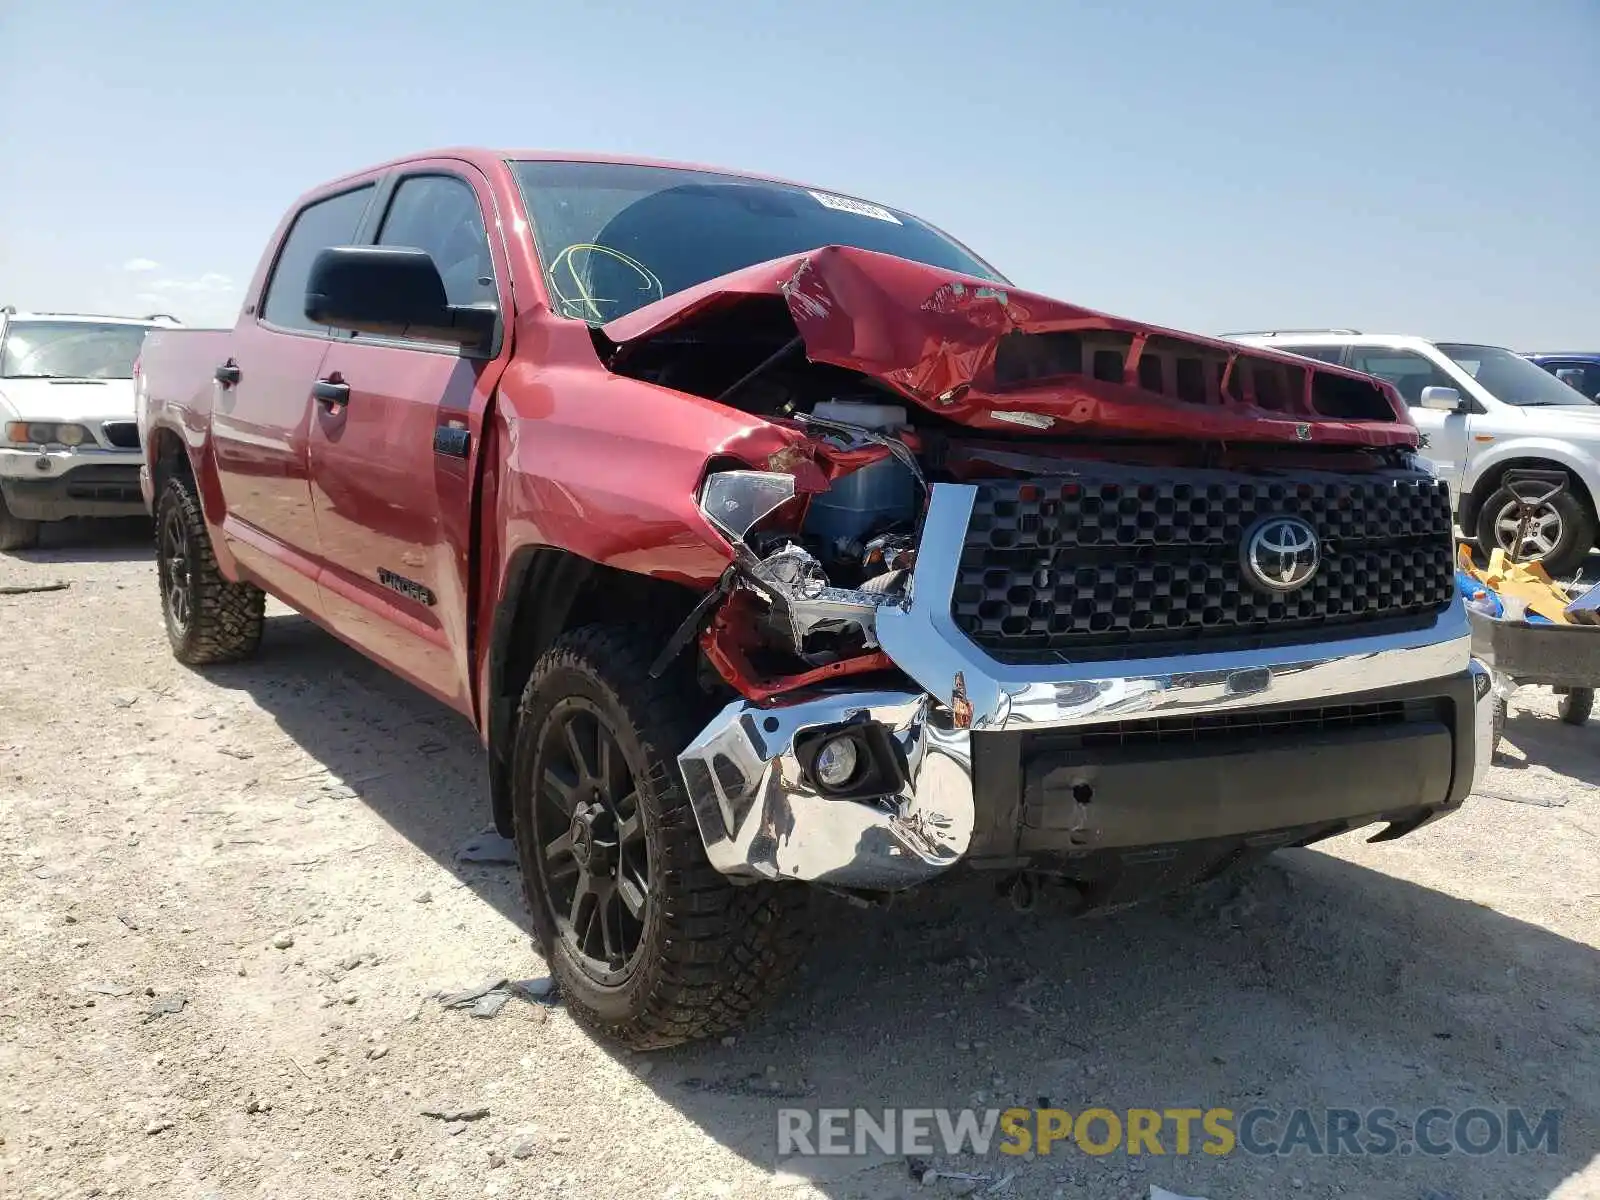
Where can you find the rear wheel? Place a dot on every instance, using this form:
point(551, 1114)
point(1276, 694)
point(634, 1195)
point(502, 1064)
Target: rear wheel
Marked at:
point(1558, 537)
point(15, 533)
point(649, 944)
point(209, 619)
point(1576, 705)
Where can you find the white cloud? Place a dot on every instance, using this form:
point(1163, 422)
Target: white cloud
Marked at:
point(140, 264)
point(211, 283)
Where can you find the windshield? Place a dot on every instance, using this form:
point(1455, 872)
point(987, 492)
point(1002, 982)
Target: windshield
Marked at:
point(1512, 379)
point(69, 350)
point(614, 237)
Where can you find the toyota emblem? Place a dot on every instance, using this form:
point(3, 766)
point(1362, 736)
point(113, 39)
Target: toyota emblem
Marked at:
point(1280, 554)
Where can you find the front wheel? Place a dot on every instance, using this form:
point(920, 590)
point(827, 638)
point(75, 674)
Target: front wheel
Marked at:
point(209, 619)
point(649, 944)
point(1558, 537)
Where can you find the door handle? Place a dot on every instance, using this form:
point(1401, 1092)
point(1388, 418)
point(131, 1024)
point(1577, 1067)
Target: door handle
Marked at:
point(228, 373)
point(328, 393)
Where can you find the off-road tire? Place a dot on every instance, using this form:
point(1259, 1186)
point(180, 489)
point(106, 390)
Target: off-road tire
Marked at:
point(1577, 531)
point(710, 953)
point(15, 533)
point(224, 619)
point(1576, 705)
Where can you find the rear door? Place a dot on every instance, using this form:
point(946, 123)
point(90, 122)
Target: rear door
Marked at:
point(393, 463)
point(261, 410)
point(1446, 435)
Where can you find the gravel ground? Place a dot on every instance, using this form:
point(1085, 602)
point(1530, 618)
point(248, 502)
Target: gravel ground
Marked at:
point(230, 897)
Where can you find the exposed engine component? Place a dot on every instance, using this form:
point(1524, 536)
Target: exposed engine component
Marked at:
point(872, 500)
point(821, 622)
point(779, 604)
point(889, 552)
point(864, 503)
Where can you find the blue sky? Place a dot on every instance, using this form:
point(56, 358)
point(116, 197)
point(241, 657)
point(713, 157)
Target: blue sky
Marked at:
point(1430, 167)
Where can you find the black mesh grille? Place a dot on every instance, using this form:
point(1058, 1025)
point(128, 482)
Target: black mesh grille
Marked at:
point(1249, 724)
point(1124, 559)
point(124, 435)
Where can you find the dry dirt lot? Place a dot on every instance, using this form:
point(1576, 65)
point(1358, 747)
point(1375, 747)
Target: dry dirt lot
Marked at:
point(276, 846)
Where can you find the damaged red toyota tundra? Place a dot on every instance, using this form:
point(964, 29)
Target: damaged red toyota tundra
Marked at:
point(772, 540)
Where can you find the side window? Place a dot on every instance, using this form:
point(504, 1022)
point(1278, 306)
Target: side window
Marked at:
point(330, 222)
point(440, 214)
point(1327, 354)
point(1406, 369)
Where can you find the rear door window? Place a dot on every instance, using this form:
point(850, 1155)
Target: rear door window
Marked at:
point(323, 223)
point(1327, 354)
point(1406, 369)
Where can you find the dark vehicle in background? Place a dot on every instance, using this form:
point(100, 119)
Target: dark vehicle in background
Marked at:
point(1579, 370)
point(772, 540)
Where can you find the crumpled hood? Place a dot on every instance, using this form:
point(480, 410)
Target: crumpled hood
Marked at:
point(86, 400)
point(993, 357)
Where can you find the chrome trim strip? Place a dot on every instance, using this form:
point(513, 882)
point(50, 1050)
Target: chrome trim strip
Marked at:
point(761, 820)
point(925, 642)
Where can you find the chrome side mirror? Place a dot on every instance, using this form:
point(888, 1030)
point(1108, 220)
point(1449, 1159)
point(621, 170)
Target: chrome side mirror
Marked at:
point(1442, 399)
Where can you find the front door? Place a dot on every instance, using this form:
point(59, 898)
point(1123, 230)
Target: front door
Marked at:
point(394, 442)
point(1446, 436)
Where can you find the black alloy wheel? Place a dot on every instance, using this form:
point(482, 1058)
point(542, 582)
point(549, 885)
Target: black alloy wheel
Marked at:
point(587, 823)
point(172, 565)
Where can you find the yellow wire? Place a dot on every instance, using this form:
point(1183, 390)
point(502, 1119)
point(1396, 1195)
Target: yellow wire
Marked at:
point(565, 259)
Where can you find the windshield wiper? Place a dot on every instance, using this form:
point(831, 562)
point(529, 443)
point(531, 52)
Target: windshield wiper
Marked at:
point(30, 376)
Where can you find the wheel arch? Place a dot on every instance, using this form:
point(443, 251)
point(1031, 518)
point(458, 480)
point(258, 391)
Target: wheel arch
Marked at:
point(547, 592)
point(167, 457)
point(1491, 474)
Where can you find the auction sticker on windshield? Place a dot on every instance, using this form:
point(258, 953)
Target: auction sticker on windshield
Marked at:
point(860, 207)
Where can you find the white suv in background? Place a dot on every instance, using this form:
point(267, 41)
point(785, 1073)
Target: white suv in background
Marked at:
point(1482, 410)
point(69, 446)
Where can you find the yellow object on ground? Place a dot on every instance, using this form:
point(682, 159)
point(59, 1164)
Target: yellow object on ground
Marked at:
point(1527, 582)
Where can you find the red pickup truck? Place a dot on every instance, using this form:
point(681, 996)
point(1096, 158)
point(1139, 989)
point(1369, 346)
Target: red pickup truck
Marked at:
point(771, 538)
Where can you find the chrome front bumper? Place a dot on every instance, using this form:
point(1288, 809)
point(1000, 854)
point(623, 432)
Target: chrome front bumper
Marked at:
point(762, 819)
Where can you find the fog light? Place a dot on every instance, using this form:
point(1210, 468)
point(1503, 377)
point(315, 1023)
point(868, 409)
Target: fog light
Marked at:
point(836, 762)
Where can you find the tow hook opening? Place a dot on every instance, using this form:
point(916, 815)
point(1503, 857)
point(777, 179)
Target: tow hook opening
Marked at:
point(1024, 890)
point(1021, 890)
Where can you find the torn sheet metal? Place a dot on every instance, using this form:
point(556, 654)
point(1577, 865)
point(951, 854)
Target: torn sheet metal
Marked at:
point(995, 357)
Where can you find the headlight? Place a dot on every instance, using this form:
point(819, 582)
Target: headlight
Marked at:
point(737, 501)
point(41, 433)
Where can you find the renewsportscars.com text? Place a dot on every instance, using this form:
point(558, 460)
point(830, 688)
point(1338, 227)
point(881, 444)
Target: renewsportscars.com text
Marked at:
point(1213, 1131)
